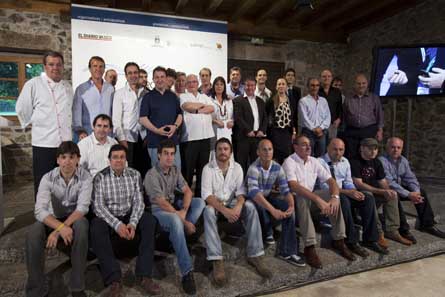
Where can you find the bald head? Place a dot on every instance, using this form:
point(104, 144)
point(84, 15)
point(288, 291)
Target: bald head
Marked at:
point(336, 149)
point(326, 78)
point(394, 147)
point(265, 150)
point(361, 84)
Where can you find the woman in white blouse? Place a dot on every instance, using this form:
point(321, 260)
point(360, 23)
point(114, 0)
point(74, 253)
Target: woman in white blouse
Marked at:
point(222, 117)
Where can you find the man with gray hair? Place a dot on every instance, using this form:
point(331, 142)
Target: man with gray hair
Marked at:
point(403, 180)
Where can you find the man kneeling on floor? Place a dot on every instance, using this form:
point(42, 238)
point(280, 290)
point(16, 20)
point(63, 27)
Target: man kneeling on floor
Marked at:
point(119, 208)
point(264, 176)
point(223, 190)
point(175, 215)
point(62, 201)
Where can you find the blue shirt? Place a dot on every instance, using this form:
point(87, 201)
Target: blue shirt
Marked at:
point(258, 182)
point(160, 109)
point(314, 113)
point(89, 103)
point(234, 93)
point(399, 175)
point(342, 172)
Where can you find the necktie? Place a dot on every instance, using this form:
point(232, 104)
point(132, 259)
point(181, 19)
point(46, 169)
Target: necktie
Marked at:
point(331, 169)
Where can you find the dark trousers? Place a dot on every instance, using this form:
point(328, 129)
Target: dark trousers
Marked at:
point(318, 144)
point(137, 156)
point(44, 159)
point(352, 137)
point(366, 209)
point(35, 256)
point(425, 213)
point(246, 151)
point(197, 154)
point(101, 236)
point(282, 143)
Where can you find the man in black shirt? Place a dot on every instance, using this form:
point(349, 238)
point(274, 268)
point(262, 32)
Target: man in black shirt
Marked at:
point(368, 175)
point(335, 101)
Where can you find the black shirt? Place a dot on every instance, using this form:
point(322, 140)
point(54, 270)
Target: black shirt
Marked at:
point(370, 171)
point(334, 101)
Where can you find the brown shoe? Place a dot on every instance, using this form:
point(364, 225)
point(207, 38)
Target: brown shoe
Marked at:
point(260, 266)
point(340, 246)
point(150, 287)
point(382, 241)
point(312, 258)
point(395, 235)
point(219, 275)
point(116, 290)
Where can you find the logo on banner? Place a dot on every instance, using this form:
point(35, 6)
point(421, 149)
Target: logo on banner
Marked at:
point(95, 37)
point(157, 39)
point(219, 46)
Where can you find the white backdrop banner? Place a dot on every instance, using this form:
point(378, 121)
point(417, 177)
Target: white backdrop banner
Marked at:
point(150, 40)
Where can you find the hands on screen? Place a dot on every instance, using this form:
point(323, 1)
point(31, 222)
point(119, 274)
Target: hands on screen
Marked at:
point(398, 78)
point(435, 80)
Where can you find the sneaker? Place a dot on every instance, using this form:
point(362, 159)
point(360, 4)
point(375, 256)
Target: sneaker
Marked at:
point(260, 266)
point(188, 284)
point(294, 260)
point(270, 240)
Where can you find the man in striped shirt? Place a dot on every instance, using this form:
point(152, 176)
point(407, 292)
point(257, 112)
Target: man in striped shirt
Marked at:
point(119, 208)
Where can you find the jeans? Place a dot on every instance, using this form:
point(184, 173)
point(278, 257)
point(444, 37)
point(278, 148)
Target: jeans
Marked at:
point(35, 257)
point(153, 153)
point(288, 240)
point(171, 223)
point(318, 144)
point(249, 217)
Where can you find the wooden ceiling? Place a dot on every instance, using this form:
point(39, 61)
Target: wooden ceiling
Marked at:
point(325, 21)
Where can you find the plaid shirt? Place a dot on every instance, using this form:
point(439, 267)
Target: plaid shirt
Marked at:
point(115, 196)
point(256, 182)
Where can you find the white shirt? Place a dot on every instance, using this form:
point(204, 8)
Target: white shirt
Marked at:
point(224, 189)
point(198, 126)
point(223, 112)
point(126, 114)
point(47, 106)
point(314, 113)
point(305, 174)
point(93, 154)
point(255, 112)
point(265, 94)
point(266, 172)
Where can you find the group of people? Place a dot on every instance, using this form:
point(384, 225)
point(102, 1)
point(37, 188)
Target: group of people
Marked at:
point(182, 151)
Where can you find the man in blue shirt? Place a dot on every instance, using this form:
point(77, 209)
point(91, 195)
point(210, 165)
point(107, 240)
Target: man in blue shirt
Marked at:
point(402, 180)
point(93, 97)
point(161, 114)
point(350, 198)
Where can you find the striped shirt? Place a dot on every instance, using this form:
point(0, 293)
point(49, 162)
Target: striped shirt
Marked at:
point(115, 196)
point(260, 180)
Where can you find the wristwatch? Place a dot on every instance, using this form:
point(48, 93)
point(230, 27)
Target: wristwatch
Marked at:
point(335, 196)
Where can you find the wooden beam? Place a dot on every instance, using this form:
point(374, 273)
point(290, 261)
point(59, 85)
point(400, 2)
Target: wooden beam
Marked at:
point(272, 11)
point(244, 6)
point(328, 12)
point(36, 6)
point(180, 5)
point(213, 6)
point(247, 28)
point(146, 5)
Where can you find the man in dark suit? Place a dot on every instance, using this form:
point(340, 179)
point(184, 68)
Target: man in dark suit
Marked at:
point(293, 92)
point(250, 124)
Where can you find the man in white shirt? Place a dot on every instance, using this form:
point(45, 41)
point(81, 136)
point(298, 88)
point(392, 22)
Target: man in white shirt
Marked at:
point(94, 149)
point(45, 103)
point(302, 171)
point(126, 112)
point(224, 192)
point(261, 90)
point(198, 109)
point(314, 118)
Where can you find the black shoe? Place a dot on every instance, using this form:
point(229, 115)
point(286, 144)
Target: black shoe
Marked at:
point(408, 235)
point(188, 284)
point(374, 246)
point(433, 230)
point(358, 250)
point(79, 294)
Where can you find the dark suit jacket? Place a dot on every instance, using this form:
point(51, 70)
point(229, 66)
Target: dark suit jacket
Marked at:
point(243, 116)
point(294, 97)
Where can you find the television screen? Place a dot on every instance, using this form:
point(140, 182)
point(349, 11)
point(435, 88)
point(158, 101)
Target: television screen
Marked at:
point(409, 71)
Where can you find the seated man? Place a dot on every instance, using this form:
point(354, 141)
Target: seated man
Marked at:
point(302, 171)
point(350, 199)
point(119, 208)
point(62, 201)
point(94, 148)
point(223, 190)
point(175, 215)
point(262, 176)
point(402, 180)
point(368, 175)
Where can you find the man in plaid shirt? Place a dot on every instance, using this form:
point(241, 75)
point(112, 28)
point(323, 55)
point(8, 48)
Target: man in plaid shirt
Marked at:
point(119, 208)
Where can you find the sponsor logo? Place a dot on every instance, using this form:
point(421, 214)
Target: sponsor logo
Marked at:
point(218, 45)
point(95, 37)
point(157, 39)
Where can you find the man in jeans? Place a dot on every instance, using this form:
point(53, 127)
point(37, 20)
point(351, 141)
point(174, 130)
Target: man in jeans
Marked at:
point(62, 201)
point(175, 215)
point(223, 190)
point(119, 208)
point(263, 177)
